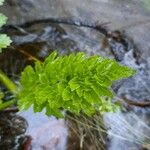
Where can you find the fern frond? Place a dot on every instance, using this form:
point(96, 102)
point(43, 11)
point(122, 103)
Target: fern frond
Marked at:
point(75, 82)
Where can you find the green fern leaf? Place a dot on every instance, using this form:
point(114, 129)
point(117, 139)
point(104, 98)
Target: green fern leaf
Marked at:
point(75, 82)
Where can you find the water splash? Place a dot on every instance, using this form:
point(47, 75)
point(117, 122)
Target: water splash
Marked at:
point(47, 133)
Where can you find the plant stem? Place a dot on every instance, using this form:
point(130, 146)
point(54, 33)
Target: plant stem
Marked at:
point(8, 83)
point(7, 104)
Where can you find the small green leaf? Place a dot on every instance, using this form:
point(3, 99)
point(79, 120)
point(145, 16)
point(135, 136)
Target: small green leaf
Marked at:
point(61, 86)
point(117, 72)
point(102, 91)
point(4, 41)
point(42, 92)
point(38, 67)
point(102, 80)
point(51, 58)
point(105, 66)
point(91, 96)
point(66, 94)
point(1, 95)
point(28, 77)
point(3, 19)
point(98, 88)
point(88, 109)
point(74, 84)
point(24, 104)
point(80, 57)
point(55, 112)
point(1, 2)
point(80, 91)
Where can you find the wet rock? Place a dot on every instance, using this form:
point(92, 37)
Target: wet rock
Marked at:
point(15, 64)
point(12, 129)
point(36, 41)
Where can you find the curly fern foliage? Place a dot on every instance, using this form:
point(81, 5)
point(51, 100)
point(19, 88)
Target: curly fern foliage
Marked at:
point(75, 82)
point(4, 39)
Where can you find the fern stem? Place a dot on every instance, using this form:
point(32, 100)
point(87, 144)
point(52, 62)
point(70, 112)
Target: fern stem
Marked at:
point(10, 85)
point(7, 104)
